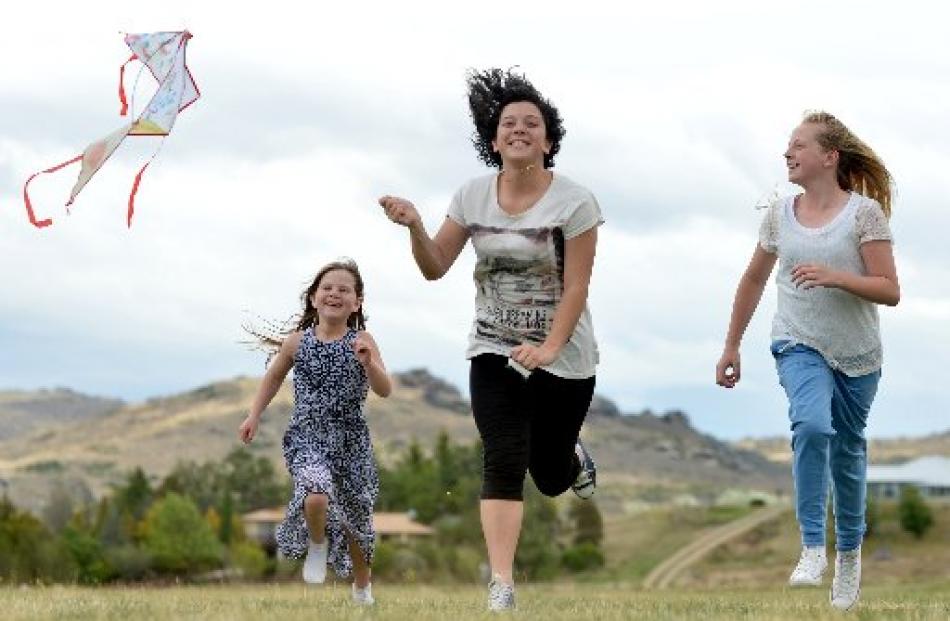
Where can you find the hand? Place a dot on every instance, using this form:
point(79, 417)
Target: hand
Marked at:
point(248, 429)
point(363, 349)
point(728, 369)
point(808, 275)
point(532, 356)
point(400, 211)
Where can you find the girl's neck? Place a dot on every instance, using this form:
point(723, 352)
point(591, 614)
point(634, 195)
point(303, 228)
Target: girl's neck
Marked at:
point(824, 194)
point(525, 177)
point(330, 331)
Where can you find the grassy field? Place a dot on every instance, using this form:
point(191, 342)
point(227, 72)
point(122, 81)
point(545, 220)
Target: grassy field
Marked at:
point(890, 556)
point(424, 603)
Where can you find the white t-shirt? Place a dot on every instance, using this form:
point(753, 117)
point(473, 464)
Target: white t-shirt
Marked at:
point(519, 272)
point(840, 325)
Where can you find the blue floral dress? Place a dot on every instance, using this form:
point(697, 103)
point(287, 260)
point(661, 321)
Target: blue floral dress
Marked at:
point(328, 450)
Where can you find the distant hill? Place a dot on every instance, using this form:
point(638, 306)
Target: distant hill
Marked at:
point(95, 441)
point(22, 412)
point(880, 450)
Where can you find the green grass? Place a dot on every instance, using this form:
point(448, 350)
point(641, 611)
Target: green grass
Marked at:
point(635, 544)
point(425, 603)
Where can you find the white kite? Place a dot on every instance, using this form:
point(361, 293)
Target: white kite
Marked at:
point(163, 53)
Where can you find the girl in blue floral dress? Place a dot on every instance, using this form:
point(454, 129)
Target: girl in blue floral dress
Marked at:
point(327, 445)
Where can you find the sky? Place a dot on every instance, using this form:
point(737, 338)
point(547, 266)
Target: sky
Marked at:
point(677, 116)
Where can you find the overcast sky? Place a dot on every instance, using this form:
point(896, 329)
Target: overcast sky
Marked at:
point(676, 116)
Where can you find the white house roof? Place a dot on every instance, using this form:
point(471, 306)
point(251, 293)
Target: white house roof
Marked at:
point(933, 471)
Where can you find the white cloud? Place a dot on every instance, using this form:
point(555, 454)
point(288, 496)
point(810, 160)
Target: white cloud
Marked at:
point(677, 115)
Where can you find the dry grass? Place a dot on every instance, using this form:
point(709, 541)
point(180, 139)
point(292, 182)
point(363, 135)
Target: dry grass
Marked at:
point(425, 603)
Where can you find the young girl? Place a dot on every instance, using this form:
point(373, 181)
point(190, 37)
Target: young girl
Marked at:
point(535, 235)
point(833, 245)
point(327, 444)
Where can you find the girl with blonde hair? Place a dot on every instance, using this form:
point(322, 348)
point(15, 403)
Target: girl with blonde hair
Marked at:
point(836, 265)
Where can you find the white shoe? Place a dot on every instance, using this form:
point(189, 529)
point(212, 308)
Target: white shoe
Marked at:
point(811, 566)
point(364, 596)
point(846, 585)
point(586, 482)
point(315, 567)
point(501, 595)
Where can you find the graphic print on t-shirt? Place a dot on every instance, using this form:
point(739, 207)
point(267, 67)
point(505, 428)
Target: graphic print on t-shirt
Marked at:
point(519, 275)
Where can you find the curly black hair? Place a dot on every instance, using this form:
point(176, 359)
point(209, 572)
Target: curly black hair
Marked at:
point(489, 92)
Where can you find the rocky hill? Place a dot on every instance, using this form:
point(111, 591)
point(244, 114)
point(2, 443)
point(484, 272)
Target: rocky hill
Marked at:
point(93, 441)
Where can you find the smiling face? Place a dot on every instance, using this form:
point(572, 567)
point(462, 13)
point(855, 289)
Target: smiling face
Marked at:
point(335, 297)
point(521, 137)
point(805, 158)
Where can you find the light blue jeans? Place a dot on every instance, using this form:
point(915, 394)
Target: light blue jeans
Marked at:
point(828, 411)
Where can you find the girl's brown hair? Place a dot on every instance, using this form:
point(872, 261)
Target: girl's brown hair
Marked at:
point(272, 337)
point(859, 167)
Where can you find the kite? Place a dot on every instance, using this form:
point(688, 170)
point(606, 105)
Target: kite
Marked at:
point(163, 53)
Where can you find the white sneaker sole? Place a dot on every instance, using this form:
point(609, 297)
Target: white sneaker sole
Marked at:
point(804, 584)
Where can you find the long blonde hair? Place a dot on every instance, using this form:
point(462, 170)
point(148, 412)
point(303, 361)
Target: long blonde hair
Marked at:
point(859, 167)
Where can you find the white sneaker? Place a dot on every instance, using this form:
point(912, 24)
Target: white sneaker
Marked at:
point(501, 595)
point(846, 585)
point(811, 566)
point(364, 596)
point(586, 482)
point(315, 567)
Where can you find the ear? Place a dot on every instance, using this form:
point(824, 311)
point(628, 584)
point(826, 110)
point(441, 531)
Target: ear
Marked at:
point(547, 147)
point(832, 158)
point(494, 146)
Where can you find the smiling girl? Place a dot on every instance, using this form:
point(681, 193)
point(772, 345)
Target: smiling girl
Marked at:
point(327, 444)
point(534, 233)
point(833, 246)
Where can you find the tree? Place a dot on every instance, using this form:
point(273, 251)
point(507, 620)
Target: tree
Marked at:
point(135, 495)
point(88, 554)
point(179, 538)
point(27, 551)
point(916, 517)
point(588, 524)
point(538, 555)
point(252, 480)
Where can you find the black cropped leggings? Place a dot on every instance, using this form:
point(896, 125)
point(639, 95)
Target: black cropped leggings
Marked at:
point(527, 425)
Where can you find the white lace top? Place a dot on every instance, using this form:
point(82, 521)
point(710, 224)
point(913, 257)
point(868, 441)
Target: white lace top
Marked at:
point(840, 325)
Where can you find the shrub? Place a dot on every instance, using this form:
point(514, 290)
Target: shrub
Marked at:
point(916, 517)
point(179, 538)
point(582, 557)
point(249, 558)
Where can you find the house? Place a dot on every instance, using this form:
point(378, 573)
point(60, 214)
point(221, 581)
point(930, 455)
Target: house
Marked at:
point(261, 525)
point(930, 474)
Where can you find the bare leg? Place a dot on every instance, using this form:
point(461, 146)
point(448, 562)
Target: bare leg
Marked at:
point(361, 570)
point(501, 524)
point(315, 513)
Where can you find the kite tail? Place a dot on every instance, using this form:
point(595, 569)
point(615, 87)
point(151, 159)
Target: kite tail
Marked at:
point(135, 189)
point(122, 100)
point(26, 195)
point(137, 181)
